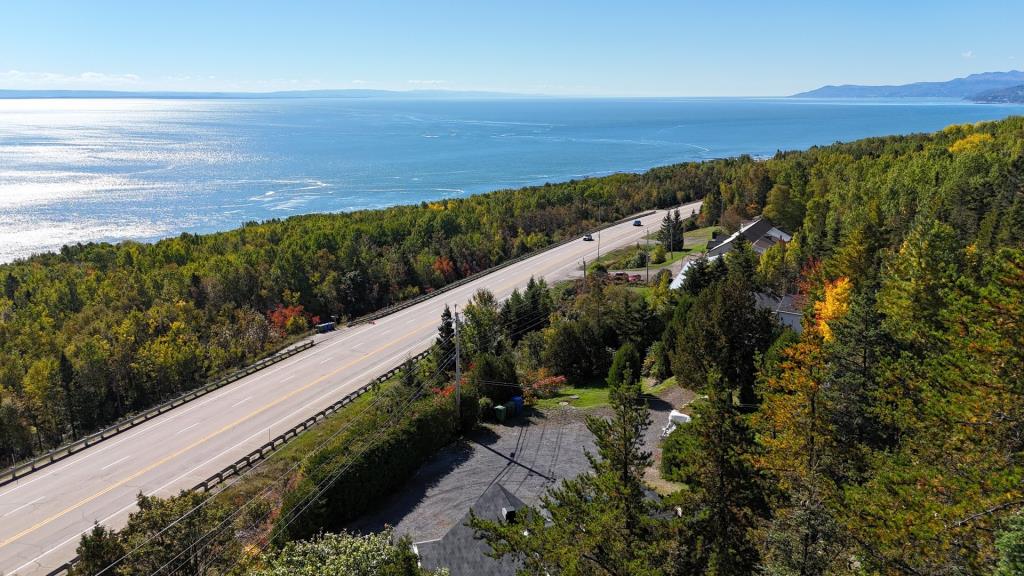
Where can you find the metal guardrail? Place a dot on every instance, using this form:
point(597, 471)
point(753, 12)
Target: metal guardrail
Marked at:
point(413, 301)
point(272, 446)
point(57, 454)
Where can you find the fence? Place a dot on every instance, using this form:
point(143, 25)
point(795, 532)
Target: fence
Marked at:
point(57, 454)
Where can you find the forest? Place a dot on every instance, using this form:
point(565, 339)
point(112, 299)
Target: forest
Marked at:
point(886, 438)
point(101, 331)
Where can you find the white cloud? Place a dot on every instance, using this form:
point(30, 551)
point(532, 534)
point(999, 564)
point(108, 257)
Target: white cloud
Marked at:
point(29, 80)
point(967, 54)
point(428, 82)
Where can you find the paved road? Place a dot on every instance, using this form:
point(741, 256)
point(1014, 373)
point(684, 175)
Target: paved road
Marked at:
point(43, 515)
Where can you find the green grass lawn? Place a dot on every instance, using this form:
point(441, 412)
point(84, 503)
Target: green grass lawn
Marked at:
point(589, 397)
point(693, 241)
point(697, 240)
point(594, 395)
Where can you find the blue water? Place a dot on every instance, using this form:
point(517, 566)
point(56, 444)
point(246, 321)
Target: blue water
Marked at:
point(80, 170)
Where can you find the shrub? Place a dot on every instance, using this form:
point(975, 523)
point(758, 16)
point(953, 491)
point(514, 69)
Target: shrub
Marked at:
point(358, 473)
point(542, 384)
point(486, 408)
point(680, 453)
point(469, 408)
point(658, 254)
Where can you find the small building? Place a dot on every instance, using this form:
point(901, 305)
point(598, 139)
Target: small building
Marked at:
point(786, 308)
point(461, 551)
point(760, 233)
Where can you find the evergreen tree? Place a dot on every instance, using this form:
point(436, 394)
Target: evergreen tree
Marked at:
point(726, 501)
point(625, 363)
point(678, 230)
point(666, 232)
point(444, 344)
point(601, 522)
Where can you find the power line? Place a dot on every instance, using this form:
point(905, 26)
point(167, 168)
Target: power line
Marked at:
point(531, 322)
point(329, 481)
point(241, 476)
point(226, 521)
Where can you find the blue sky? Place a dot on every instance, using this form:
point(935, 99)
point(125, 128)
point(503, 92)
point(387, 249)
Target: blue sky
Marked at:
point(625, 48)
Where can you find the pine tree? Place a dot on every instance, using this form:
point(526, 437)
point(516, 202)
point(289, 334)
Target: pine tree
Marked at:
point(666, 232)
point(601, 522)
point(726, 502)
point(678, 231)
point(444, 345)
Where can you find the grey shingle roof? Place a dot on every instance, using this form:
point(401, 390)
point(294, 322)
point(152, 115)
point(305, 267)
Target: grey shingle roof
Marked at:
point(461, 551)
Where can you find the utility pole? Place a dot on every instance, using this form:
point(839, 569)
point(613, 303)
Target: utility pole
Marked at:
point(647, 260)
point(458, 367)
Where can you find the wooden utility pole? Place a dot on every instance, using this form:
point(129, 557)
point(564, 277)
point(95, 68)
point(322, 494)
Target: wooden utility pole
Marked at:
point(458, 367)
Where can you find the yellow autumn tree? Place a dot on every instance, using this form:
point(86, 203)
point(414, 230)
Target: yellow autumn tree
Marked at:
point(970, 142)
point(833, 306)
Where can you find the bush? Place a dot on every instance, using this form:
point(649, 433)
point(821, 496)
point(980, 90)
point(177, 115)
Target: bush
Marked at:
point(486, 408)
point(680, 454)
point(469, 408)
point(638, 260)
point(495, 375)
point(353, 555)
point(360, 474)
point(658, 254)
point(542, 384)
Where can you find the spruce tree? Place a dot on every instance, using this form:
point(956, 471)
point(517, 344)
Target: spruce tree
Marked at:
point(665, 231)
point(601, 522)
point(444, 345)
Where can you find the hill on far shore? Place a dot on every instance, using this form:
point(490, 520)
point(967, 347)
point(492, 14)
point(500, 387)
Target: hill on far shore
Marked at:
point(966, 87)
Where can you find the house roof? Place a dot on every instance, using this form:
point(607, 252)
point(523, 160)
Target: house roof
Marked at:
point(787, 308)
point(461, 551)
point(760, 232)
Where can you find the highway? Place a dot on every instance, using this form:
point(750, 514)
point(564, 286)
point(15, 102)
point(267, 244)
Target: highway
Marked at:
point(43, 515)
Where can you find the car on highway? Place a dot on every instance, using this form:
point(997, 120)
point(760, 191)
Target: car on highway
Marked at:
point(588, 238)
point(637, 223)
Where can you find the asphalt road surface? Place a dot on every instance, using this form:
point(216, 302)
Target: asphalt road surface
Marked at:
point(43, 515)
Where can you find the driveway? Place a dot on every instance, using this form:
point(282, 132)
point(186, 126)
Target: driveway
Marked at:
point(527, 456)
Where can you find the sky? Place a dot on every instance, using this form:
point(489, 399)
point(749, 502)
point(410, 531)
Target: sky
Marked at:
point(581, 48)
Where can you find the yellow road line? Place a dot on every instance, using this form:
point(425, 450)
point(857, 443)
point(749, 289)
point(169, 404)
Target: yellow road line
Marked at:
point(199, 442)
point(208, 437)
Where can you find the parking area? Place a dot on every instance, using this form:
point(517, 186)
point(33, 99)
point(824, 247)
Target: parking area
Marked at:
point(526, 455)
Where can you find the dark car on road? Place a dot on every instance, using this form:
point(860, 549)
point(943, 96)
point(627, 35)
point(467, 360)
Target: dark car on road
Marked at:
point(588, 238)
point(637, 223)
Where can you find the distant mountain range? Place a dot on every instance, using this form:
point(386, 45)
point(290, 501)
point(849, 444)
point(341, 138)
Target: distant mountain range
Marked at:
point(971, 87)
point(347, 93)
point(1011, 95)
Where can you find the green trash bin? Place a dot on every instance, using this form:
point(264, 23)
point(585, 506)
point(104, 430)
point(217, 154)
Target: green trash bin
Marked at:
point(499, 413)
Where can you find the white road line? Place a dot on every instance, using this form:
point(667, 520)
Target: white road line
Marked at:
point(468, 288)
point(148, 427)
point(242, 401)
point(116, 462)
point(186, 428)
point(37, 500)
